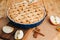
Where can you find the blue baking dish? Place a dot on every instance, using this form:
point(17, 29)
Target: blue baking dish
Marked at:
point(26, 26)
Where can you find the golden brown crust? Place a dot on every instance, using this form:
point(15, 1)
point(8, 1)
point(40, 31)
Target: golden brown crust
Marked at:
point(26, 14)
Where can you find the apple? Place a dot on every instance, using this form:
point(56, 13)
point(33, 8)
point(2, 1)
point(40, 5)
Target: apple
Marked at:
point(7, 29)
point(19, 34)
point(55, 20)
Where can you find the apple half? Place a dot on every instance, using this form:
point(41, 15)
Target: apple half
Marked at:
point(7, 29)
point(19, 34)
point(55, 20)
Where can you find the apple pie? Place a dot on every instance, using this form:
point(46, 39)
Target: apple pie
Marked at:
point(26, 13)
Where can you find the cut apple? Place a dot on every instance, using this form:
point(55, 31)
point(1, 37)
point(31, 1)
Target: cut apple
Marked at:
point(7, 29)
point(19, 34)
point(58, 28)
point(55, 20)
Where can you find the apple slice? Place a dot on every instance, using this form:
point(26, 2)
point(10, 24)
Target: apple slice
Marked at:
point(7, 29)
point(55, 20)
point(58, 28)
point(19, 34)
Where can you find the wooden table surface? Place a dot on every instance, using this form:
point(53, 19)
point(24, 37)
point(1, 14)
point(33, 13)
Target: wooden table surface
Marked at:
point(49, 30)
